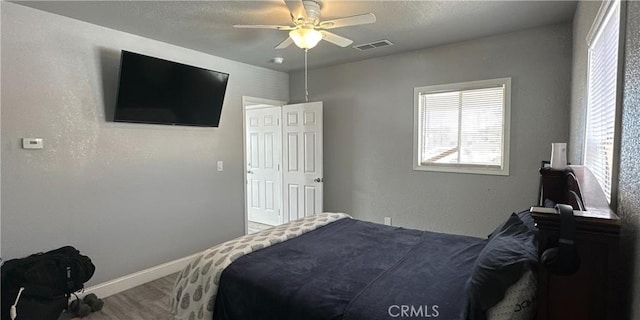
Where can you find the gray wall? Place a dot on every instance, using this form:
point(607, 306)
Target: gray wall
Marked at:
point(368, 110)
point(582, 20)
point(629, 179)
point(629, 176)
point(131, 196)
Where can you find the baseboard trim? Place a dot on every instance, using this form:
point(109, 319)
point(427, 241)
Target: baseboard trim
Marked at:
point(135, 279)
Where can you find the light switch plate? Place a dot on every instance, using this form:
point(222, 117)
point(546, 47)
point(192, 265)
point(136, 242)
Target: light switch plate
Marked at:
point(32, 143)
point(220, 165)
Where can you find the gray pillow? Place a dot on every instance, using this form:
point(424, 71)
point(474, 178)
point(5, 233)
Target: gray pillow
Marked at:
point(527, 220)
point(510, 250)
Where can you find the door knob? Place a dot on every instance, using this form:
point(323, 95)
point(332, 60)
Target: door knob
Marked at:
point(318, 180)
point(249, 171)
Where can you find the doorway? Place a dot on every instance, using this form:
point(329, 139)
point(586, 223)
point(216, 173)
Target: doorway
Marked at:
point(263, 156)
point(283, 161)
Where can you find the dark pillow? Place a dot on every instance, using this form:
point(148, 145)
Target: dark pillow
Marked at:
point(525, 217)
point(549, 203)
point(510, 250)
point(527, 220)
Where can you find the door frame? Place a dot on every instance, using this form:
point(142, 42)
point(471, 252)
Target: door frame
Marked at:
point(250, 103)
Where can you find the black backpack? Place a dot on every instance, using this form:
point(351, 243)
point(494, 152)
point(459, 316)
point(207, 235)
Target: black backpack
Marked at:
point(47, 278)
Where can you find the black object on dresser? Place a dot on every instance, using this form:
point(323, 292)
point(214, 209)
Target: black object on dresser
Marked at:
point(590, 293)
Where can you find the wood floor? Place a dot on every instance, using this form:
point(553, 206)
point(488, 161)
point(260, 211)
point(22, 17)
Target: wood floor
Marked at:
point(254, 227)
point(149, 301)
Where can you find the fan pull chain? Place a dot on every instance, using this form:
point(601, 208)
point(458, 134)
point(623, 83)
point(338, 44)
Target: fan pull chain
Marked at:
point(306, 88)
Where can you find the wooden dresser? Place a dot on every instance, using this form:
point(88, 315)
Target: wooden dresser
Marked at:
point(591, 292)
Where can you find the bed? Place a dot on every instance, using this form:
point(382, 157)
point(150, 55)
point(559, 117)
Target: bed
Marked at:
point(330, 266)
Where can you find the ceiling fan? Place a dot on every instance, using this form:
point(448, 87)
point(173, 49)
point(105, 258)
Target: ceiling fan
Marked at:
point(307, 29)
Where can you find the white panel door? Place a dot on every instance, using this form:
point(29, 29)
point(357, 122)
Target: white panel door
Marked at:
point(302, 160)
point(264, 154)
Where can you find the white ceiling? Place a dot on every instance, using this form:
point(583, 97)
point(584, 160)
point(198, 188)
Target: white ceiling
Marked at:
point(206, 26)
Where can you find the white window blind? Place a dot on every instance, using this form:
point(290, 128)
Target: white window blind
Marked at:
point(602, 91)
point(462, 127)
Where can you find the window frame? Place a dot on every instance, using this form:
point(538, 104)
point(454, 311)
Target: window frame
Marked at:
point(463, 168)
point(606, 8)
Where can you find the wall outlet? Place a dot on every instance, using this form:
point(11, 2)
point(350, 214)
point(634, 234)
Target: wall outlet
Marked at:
point(387, 221)
point(32, 143)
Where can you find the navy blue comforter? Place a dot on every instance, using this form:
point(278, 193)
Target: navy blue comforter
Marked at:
point(351, 270)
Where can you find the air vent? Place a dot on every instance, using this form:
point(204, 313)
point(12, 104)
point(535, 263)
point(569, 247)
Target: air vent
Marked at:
point(373, 45)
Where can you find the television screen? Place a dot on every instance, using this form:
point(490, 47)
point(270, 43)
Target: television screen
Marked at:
point(153, 90)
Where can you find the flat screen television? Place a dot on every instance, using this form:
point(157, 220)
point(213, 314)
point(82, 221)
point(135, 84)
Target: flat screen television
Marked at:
point(153, 90)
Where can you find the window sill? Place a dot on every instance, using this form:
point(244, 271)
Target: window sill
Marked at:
point(463, 169)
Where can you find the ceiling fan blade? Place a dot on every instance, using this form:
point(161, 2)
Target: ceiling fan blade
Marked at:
point(336, 39)
point(296, 7)
point(263, 26)
point(285, 43)
point(348, 21)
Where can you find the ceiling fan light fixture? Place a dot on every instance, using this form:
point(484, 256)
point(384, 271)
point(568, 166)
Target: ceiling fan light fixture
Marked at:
point(305, 38)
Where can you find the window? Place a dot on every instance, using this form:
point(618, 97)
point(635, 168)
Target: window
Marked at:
point(463, 127)
point(602, 94)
